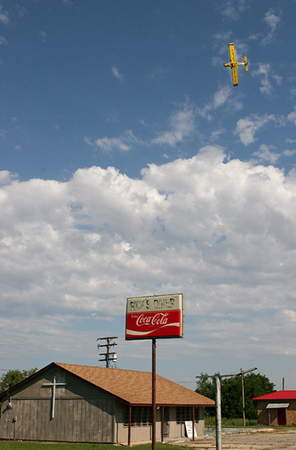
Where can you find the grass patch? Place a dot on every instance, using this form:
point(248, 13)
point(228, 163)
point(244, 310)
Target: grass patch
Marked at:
point(34, 445)
point(230, 423)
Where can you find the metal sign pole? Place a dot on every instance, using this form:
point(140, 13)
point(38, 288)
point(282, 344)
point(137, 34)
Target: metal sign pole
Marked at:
point(153, 393)
point(151, 317)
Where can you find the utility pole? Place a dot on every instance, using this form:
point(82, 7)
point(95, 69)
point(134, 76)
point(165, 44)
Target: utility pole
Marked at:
point(242, 373)
point(218, 402)
point(218, 414)
point(108, 356)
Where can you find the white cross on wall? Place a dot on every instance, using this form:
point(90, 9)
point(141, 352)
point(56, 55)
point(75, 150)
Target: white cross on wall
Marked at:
point(53, 385)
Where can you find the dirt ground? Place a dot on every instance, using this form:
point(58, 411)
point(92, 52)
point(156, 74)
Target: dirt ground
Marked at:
point(250, 440)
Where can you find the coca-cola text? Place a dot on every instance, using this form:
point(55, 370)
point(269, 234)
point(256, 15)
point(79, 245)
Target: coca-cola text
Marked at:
point(152, 320)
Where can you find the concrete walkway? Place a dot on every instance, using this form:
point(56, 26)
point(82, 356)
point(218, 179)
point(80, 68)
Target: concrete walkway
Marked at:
point(248, 439)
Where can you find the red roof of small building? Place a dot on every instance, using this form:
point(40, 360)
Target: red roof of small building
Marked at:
point(279, 395)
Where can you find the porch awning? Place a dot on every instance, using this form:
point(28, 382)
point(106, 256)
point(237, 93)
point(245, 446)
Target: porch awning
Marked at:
point(277, 405)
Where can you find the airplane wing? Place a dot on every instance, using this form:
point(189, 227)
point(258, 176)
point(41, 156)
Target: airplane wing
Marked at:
point(234, 76)
point(232, 53)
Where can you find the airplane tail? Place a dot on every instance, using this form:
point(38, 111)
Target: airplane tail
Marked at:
point(246, 63)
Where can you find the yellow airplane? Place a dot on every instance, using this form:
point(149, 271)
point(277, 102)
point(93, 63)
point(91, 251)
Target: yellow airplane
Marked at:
point(233, 64)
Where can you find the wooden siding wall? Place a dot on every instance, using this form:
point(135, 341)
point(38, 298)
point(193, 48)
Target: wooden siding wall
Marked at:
point(83, 413)
point(76, 420)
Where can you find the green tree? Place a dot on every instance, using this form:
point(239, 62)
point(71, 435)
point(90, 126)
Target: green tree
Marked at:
point(13, 377)
point(231, 393)
point(231, 397)
point(255, 385)
point(206, 387)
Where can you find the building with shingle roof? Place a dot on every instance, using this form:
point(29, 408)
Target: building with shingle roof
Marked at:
point(277, 408)
point(74, 403)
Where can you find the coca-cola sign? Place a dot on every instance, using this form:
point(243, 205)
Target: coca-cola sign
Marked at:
point(157, 316)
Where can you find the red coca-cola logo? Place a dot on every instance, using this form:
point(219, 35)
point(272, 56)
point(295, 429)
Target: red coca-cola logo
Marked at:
point(154, 324)
point(157, 319)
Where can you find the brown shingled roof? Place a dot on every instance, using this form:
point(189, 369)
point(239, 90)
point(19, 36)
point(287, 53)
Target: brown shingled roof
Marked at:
point(135, 387)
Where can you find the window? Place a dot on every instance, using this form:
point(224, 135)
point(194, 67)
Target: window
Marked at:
point(141, 416)
point(184, 414)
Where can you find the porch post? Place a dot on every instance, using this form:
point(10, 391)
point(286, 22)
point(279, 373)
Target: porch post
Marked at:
point(193, 422)
point(129, 425)
point(162, 423)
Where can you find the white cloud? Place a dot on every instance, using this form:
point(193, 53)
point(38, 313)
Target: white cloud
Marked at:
point(159, 73)
point(222, 40)
point(267, 75)
point(20, 11)
point(43, 35)
point(223, 232)
point(289, 152)
point(108, 144)
point(291, 117)
point(254, 36)
point(224, 97)
point(216, 134)
point(182, 125)
point(247, 127)
point(3, 41)
point(272, 20)
point(116, 74)
point(124, 142)
point(6, 177)
point(3, 16)
point(232, 9)
point(221, 96)
point(264, 154)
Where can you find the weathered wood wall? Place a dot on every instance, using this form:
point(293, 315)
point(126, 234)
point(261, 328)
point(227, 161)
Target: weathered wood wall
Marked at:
point(76, 420)
point(83, 413)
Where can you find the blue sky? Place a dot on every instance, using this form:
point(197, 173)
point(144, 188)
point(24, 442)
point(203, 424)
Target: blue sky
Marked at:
point(131, 166)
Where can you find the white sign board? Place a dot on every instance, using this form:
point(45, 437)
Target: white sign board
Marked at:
point(188, 426)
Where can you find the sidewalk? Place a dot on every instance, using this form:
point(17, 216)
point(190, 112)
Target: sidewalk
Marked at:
point(248, 439)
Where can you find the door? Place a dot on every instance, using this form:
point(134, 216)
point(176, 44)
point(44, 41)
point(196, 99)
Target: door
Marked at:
point(282, 416)
point(165, 422)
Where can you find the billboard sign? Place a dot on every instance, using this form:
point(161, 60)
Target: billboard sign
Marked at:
point(155, 316)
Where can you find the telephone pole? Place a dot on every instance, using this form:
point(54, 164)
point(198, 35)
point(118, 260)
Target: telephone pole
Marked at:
point(218, 401)
point(108, 356)
point(241, 374)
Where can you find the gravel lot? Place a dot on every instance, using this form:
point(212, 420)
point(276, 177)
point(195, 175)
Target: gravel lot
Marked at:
point(250, 440)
